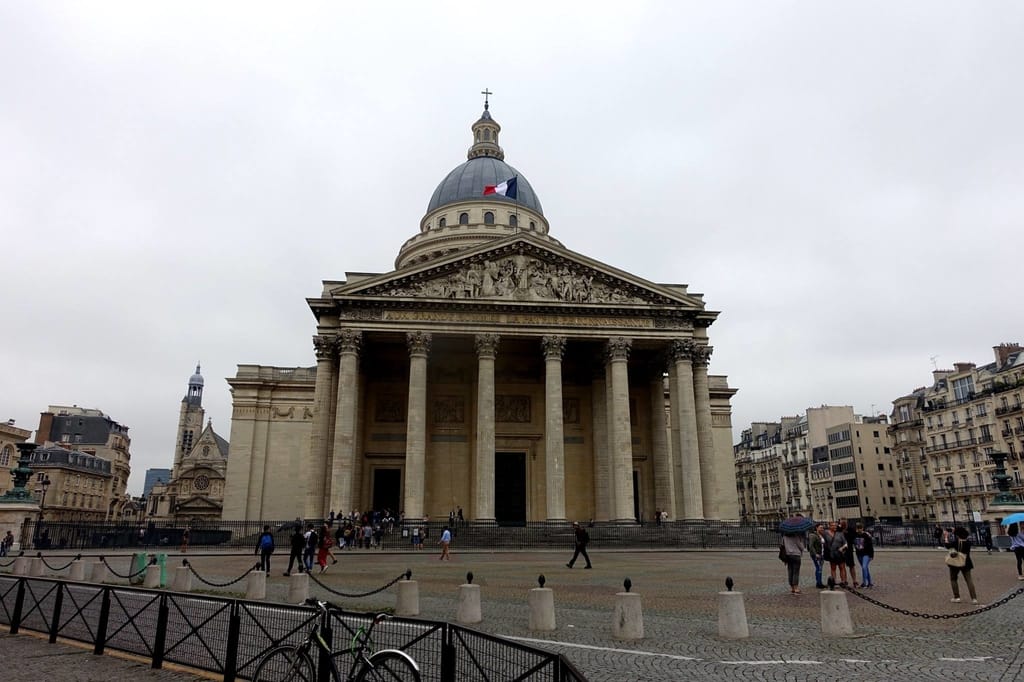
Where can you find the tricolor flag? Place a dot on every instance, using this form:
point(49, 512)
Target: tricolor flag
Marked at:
point(505, 189)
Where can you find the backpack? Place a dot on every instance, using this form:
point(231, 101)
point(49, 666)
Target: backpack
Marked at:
point(267, 543)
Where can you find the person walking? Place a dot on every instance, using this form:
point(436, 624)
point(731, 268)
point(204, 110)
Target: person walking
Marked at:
point(816, 548)
point(1017, 546)
point(962, 544)
point(309, 551)
point(850, 555)
point(793, 545)
point(445, 542)
point(864, 546)
point(265, 547)
point(298, 543)
point(323, 547)
point(581, 538)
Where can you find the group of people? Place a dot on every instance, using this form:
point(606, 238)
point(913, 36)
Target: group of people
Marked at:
point(843, 546)
point(6, 543)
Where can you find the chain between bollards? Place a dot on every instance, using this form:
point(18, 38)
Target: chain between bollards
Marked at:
point(129, 576)
point(363, 594)
point(184, 562)
point(61, 568)
point(935, 616)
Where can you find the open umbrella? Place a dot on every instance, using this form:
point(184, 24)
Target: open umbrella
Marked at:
point(1016, 517)
point(796, 524)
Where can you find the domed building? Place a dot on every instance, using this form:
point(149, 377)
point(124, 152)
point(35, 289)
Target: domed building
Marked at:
point(493, 370)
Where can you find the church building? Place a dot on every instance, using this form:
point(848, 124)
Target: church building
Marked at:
point(495, 370)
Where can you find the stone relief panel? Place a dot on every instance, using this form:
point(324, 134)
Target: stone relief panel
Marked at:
point(519, 278)
point(512, 409)
point(570, 410)
point(449, 409)
point(389, 408)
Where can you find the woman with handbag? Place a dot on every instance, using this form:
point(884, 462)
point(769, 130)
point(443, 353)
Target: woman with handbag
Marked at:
point(959, 561)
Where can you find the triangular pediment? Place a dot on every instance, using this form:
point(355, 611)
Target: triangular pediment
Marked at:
point(520, 269)
point(198, 503)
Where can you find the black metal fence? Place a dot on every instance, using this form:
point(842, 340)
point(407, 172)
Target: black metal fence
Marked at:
point(228, 636)
point(467, 535)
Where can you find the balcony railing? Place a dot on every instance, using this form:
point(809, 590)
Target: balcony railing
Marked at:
point(1000, 411)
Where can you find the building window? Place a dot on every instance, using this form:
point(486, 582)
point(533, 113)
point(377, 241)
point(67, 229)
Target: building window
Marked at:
point(5, 456)
point(488, 218)
point(442, 223)
point(532, 225)
point(487, 135)
point(963, 388)
point(463, 219)
point(513, 220)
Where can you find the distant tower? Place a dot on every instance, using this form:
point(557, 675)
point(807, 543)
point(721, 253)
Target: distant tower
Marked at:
point(190, 420)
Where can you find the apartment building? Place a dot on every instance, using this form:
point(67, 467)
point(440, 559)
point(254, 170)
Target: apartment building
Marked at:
point(864, 476)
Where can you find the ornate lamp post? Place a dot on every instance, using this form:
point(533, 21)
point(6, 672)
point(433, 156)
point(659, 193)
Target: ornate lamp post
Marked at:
point(949, 488)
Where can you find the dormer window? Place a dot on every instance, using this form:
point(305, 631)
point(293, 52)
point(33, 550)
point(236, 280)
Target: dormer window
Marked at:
point(442, 223)
point(513, 220)
point(463, 219)
point(488, 218)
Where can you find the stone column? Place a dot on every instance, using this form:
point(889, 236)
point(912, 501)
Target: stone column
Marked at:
point(663, 498)
point(319, 470)
point(554, 436)
point(342, 474)
point(685, 419)
point(486, 350)
point(603, 492)
point(621, 435)
point(705, 435)
point(416, 425)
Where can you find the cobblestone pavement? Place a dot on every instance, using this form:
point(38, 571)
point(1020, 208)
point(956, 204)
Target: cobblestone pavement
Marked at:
point(679, 592)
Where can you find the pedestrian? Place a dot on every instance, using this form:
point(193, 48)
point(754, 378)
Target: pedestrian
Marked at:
point(961, 543)
point(816, 548)
point(793, 546)
point(8, 542)
point(323, 547)
point(1016, 546)
point(850, 555)
point(445, 542)
point(309, 551)
point(367, 535)
point(836, 548)
point(378, 536)
point(185, 536)
point(460, 517)
point(986, 537)
point(657, 517)
point(864, 546)
point(415, 539)
point(580, 538)
point(940, 536)
point(298, 543)
point(265, 547)
point(327, 541)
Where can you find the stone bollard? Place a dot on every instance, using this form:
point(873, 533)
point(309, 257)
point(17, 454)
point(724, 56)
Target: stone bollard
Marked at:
point(35, 567)
point(298, 588)
point(629, 617)
point(408, 597)
point(77, 572)
point(542, 607)
point(835, 614)
point(99, 574)
point(152, 577)
point(21, 566)
point(732, 614)
point(182, 581)
point(468, 611)
point(256, 585)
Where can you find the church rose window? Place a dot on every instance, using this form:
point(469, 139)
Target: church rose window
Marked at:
point(201, 482)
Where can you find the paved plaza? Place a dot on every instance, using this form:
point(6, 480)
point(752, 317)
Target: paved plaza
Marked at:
point(679, 591)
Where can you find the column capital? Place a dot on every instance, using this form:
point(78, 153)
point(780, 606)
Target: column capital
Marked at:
point(325, 346)
point(682, 350)
point(618, 347)
point(418, 343)
point(349, 341)
point(702, 355)
point(486, 345)
point(554, 347)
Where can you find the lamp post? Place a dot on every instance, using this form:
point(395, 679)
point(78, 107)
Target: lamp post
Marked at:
point(44, 484)
point(952, 505)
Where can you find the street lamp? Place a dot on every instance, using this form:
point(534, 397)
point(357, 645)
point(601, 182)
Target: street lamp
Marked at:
point(949, 488)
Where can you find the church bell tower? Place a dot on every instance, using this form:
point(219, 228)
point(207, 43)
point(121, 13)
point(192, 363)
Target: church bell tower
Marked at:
point(190, 420)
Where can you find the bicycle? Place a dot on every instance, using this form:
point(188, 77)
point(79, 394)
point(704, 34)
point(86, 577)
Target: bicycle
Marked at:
point(286, 663)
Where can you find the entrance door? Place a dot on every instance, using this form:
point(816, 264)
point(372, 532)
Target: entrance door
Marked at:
point(510, 488)
point(387, 489)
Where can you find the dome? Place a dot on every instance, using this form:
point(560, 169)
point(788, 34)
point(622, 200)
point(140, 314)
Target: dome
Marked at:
point(467, 181)
point(196, 379)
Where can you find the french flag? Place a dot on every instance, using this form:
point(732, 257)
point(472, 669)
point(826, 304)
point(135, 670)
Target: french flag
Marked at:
point(505, 189)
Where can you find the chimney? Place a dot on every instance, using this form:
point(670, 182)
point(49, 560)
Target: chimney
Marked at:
point(45, 425)
point(963, 366)
point(1003, 352)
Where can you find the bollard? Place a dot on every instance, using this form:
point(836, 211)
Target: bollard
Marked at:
point(408, 598)
point(542, 607)
point(21, 565)
point(35, 567)
point(182, 579)
point(77, 572)
point(298, 588)
point(468, 610)
point(732, 616)
point(152, 577)
point(99, 574)
point(628, 622)
point(835, 614)
point(256, 585)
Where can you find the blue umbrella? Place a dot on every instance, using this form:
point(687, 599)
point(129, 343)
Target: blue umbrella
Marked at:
point(796, 524)
point(1016, 517)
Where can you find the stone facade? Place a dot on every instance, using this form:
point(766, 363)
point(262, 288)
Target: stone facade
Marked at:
point(10, 436)
point(499, 372)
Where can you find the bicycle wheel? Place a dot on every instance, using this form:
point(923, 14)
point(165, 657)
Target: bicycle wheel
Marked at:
point(389, 666)
point(285, 664)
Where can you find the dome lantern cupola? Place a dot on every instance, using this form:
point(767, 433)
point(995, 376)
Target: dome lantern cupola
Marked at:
point(485, 134)
point(195, 389)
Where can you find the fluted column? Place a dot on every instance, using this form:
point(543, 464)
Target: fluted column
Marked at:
point(685, 419)
point(416, 425)
point(342, 473)
point(663, 497)
point(554, 438)
point(621, 435)
point(486, 351)
point(317, 473)
point(705, 434)
point(603, 492)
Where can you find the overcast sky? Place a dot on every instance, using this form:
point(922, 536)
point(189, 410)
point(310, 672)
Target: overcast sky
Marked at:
point(843, 183)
